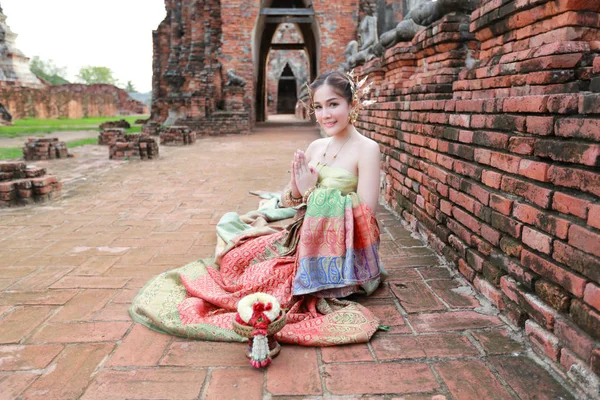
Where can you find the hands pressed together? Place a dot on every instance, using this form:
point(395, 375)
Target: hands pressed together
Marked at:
point(304, 176)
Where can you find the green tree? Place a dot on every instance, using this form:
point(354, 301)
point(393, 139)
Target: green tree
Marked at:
point(48, 71)
point(130, 88)
point(91, 74)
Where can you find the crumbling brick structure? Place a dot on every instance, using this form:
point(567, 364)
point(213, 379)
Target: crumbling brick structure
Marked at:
point(177, 136)
point(489, 123)
point(23, 95)
point(133, 147)
point(22, 184)
point(109, 136)
point(45, 149)
point(201, 41)
point(70, 100)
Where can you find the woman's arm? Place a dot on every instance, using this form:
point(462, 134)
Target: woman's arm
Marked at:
point(368, 174)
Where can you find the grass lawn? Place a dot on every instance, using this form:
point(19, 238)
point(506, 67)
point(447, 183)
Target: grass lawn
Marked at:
point(25, 127)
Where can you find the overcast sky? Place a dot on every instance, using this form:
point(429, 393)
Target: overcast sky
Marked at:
point(112, 33)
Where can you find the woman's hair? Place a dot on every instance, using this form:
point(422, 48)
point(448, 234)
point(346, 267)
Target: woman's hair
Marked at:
point(339, 82)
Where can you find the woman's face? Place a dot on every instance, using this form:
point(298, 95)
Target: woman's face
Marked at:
point(331, 110)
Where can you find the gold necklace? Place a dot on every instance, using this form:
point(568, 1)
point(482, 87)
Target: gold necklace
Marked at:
point(324, 156)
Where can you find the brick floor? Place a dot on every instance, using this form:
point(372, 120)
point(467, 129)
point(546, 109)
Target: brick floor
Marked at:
point(69, 270)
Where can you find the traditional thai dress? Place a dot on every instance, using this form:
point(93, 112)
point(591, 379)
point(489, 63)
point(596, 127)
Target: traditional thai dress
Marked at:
point(330, 251)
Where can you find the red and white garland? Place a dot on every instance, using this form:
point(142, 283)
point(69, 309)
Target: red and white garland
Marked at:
point(258, 310)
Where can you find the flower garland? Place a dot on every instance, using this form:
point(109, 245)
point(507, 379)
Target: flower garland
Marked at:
point(258, 310)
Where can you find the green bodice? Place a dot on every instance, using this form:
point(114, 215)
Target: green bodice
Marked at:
point(337, 178)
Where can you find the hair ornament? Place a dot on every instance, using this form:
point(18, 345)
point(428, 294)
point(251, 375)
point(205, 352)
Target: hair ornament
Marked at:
point(358, 94)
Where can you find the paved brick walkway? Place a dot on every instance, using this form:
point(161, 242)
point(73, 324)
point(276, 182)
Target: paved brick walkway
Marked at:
point(69, 270)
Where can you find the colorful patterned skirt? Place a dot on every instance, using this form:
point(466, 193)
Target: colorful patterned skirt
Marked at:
point(330, 251)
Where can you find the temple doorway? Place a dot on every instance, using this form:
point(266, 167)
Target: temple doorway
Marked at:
point(286, 92)
point(286, 37)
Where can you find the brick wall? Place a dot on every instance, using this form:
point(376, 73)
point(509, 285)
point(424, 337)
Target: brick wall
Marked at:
point(490, 128)
point(71, 101)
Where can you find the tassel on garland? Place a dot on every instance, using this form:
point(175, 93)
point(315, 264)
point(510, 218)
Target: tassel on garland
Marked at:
point(259, 358)
point(258, 310)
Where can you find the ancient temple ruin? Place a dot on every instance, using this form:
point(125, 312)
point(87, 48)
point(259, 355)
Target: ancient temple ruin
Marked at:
point(14, 66)
point(23, 95)
point(210, 57)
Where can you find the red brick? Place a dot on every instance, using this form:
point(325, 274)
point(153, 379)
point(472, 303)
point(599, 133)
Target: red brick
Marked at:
point(482, 156)
point(46, 297)
point(446, 207)
point(361, 379)
point(534, 170)
point(348, 353)
point(450, 321)
point(491, 179)
point(584, 239)
point(19, 323)
point(416, 297)
point(530, 215)
point(563, 103)
point(389, 315)
point(497, 342)
point(542, 313)
point(12, 385)
point(391, 347)
point(589, 103)
point(572, 283)
point(454, 294)
point(506, 224)
point(542, 340)
point(505, 162)
point(540, 125)
point(466, 271)
point(572, 152)
point(519, 372)
point(490, 292)
point(306, 379)
point(511, 247)
point(141, 347)
point(568, 204)
point(553, 295)
point(594, 216)
point(235, 384)
point(81, 332)
point(23, 358)
point(459, 376)
point(526, 104)
point(462, 200)
point(535, 194)
point(501, 204)
point(163, 383)
point(587, 181)
point(577, 260)
point(586, 318)
point(205, 354)
point(592, 295)
point(84, 306)
point(467, 220)
point(576, 339)
point(521, 145)
point(537, 240)
point(70, 374)
point(584, 128)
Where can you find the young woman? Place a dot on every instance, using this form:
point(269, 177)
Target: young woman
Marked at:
point(329, 252)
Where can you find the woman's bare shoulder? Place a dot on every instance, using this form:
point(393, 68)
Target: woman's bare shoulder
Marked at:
point(369, 145)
